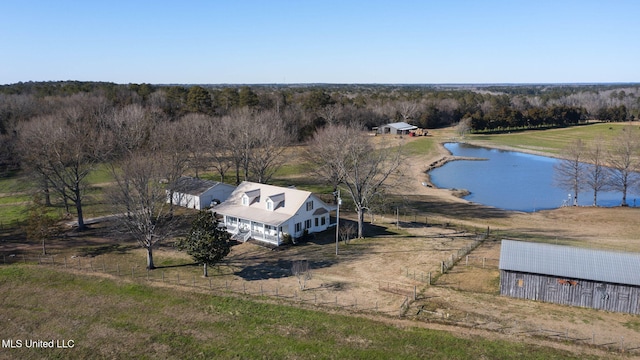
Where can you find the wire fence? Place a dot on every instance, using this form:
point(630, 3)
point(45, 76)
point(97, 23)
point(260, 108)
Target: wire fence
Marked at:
point(318, 296)
point(411, 300)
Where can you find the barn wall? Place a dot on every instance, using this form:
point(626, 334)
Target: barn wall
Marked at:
point(576, 292)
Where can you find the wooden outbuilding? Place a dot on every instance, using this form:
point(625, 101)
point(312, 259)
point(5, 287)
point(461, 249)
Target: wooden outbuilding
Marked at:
point(605, 280)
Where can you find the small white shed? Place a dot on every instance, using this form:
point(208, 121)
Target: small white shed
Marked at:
point(199, 193)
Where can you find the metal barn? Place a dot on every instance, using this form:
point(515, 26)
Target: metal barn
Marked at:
point(604, 280)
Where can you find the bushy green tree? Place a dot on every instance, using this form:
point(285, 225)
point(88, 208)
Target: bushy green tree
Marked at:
point(207, 243)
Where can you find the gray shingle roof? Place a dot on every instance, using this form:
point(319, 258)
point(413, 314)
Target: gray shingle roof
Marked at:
point(570, 262)
point(194, 186)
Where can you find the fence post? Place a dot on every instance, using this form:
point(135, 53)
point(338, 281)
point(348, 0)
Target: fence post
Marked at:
point(65, 262)
point(91, 264)
point(53, 262)
point(104, 267)
point(194, 281)
point(118, 269)
point(210, 284)
point(466, 262)
point(163, 276)
point(429, 277)
point(442, 267)
point(261, 293)
point(415, 293)
point(78, 263)
point(483, 261)
point(132, 272)
point(178, 279)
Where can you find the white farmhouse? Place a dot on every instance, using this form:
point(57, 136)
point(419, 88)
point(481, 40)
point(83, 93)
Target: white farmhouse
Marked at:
point(199, 193)
point(266, 213)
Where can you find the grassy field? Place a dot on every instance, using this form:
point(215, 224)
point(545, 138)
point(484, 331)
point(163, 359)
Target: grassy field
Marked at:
point(108, 318)
point(550, 141)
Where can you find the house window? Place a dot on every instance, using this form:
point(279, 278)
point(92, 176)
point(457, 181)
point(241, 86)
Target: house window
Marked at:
point(323, 220)
point(245, 200)
point(307, 224)
point(520, 282)
point(317, 221)
point(309, 205)
point(269, 205)
point(298, 227)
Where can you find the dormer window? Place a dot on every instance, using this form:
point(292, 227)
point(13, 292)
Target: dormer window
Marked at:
point(275, 201)
point(309, 205)
point(251, 197)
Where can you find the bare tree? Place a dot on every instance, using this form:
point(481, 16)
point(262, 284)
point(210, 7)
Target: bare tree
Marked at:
point(623, 161)
point(300, 269)
point(596, 174)
point(408, 110)
point(269, 141)
point(463, 127)
point(221, 156)
point(197, 129)
point(40, 226)
point(330, 113)
point(141, 199)
point(171, 147)
point(327, 150)
point(361, 167)
point(347, 231)
point(62, 149)
point(570, 170)
point(237, 127)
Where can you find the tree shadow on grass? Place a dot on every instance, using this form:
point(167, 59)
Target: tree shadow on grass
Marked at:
point(106, 249)
point(275, 269)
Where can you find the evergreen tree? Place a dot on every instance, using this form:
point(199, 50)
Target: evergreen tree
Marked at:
point(207, 243)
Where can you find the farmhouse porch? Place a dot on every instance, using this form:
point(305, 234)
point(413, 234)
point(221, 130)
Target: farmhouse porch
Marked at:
point(243, 230)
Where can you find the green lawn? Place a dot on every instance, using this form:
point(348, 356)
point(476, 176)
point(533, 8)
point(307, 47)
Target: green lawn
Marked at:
point(421, 145)
point(118, 320)
point(552, 140)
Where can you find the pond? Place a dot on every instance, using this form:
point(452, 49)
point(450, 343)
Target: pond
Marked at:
point(511, 180)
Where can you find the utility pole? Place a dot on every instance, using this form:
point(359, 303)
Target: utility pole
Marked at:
point(338, 202)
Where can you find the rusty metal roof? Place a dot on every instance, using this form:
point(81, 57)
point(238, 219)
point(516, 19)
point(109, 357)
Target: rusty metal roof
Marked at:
point(570, 262)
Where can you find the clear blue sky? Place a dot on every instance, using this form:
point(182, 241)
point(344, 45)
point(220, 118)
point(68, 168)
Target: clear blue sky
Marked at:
point(326, 41)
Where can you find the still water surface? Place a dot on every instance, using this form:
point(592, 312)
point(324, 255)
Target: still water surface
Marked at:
point(511, 180)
